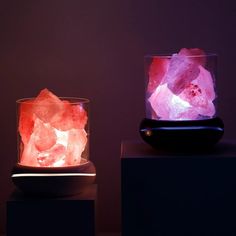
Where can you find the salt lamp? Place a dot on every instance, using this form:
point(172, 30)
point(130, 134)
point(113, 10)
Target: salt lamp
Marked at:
point(181, 100)
point(53, 141)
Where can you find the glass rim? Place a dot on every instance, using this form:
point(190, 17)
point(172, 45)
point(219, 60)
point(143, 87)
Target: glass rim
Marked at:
point(169, 55)
point(72, 100)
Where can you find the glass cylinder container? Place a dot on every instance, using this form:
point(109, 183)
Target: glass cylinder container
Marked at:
point(52, 131)
point(181, 86)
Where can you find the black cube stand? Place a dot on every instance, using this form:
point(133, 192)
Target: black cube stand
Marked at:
point(37, 216)
point(178, 194)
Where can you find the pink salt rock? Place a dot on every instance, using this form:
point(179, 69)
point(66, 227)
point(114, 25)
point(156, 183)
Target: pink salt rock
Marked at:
point(79, 117)
point(159, 101)
point(182, 70)
point(206, 111)
point(63, 120)
point(26, 120)
point(197, 55)
point(29, 153)
point(77, 139)
point(200, 93)
point(52, 157)
point(206, 83)
point(189, 114)
point(45, 136)
point(47, 105)
point(193, 94)
point(156, 73)
point(168, 106)
point(73, 116)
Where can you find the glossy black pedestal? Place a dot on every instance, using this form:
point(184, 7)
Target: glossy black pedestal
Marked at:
point(182, 134)
point(32, 216)
point(180, 194)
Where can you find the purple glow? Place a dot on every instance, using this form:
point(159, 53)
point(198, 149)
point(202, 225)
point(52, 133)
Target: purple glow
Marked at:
point(180, 87)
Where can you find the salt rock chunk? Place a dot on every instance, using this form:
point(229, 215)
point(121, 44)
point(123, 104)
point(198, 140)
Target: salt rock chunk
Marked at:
point(200, 93)
point(196, 97)
point(188, 114)
point(159, 100)
point(52, 156)
point(206, 83)
point(182, 70)
point(79, 116)
point(73, 116)
point(45, 136)
point(29, 154)
point(156, 73)
point(181, 110)
point(26, 120)
point(197, 55)
point(193, 94)
point(168, 106)
point(206, 111)
point(77, 139)
point(47, 105)
point(63, 120)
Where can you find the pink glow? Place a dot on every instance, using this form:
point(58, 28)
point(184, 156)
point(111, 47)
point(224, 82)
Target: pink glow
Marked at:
point(184, 89)
point(52, 131)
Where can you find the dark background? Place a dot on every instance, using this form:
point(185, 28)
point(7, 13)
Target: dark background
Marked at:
point(95, 49)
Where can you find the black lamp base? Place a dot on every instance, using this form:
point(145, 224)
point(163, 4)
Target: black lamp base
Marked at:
point(182, 135)
point(53, 181)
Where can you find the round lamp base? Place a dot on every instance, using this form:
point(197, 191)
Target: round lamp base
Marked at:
point(182, 135)
point(53, 181)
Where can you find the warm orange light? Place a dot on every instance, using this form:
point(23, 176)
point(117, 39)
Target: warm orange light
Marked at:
point(52, 131)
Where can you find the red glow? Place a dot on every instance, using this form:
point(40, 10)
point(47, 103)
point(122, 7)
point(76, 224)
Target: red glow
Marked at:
point(157, 70)
point(184, 90)
point(52, 131)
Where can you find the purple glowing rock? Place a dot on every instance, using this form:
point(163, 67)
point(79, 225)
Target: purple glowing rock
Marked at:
point(182, 71)
point(186, 90)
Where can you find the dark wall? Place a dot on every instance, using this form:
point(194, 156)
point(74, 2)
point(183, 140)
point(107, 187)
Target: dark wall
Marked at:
point(95, 50)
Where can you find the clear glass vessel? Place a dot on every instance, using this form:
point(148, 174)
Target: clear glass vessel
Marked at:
point(181, 86)
point(52, 131)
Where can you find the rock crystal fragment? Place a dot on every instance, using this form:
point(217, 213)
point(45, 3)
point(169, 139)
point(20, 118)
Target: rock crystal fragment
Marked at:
point(181, 72)
point(26, 120)
point(168, 106)
point(197, 55)
point(157, 71)
point(45, 136)
point(77, 139)
point(47, 106)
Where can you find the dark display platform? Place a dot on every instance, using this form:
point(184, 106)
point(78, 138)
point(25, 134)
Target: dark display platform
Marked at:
point(34, 216)
point(187, 194)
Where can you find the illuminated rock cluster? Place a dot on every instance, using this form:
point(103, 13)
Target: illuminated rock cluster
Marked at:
point(180, 88)
point(52, 131)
